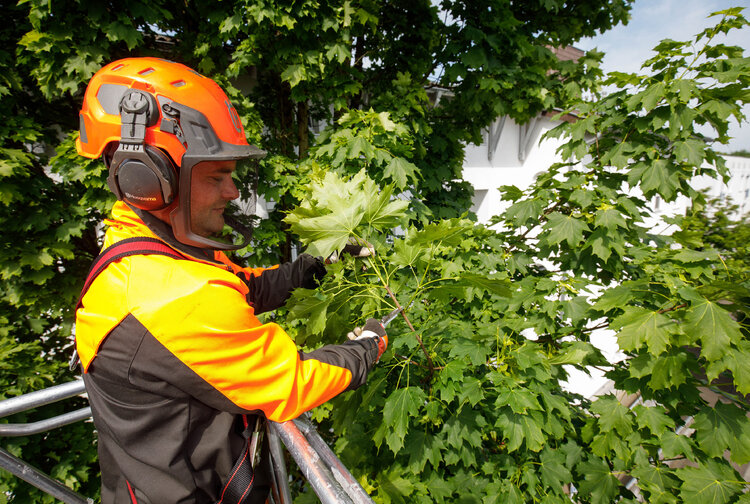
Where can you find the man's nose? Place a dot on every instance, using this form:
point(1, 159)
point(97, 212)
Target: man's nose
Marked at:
point(229, 190)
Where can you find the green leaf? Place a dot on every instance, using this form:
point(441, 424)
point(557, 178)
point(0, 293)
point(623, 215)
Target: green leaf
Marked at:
point(553, 470)
point(475, 351)
point(611, 218)
point(400, 171)
point(715, 328)
point(612, 415)
point(654, 418)
point(294, 74)
point(657, 177)
point(577, 352)
point(393, 487)
point(738, 362)
point(690, 151)
point(312, 306)
point(517, 429)
point(659, 481)
point(423, 447)
point(599, 482)
point(616, 297)
point(712, 483)
point(691, 256)
point(400, 406)
point(565, 228)
point(524, 211)
point(724, 427)
point(519, 399)
point(639, 327)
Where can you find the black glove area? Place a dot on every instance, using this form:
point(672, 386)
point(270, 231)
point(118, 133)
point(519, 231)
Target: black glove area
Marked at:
point(273, 287)
point(375, 326)
point(313, 270)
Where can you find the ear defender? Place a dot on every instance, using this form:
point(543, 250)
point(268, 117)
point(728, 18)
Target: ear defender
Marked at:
point(141, 175)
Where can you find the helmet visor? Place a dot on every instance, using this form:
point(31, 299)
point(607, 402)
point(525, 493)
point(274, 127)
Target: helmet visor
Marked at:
point(220, 208)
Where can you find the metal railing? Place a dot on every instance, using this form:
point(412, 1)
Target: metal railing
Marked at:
point(328, 477)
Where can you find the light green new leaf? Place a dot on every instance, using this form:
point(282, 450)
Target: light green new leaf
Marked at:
point(715, 328)
point(639, 327)
point(713, 483)
point(328, 232)
point(565, 228)
point(400, 407)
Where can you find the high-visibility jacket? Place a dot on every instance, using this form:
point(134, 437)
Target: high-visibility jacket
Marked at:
point(172, 352)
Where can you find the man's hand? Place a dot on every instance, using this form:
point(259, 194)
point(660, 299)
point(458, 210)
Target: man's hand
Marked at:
point(313, 270)
point(372, 329)
point(355, 248)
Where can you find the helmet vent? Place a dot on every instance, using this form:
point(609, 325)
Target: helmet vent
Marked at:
point(179, 83)
point(114, 69)
point(146, 71)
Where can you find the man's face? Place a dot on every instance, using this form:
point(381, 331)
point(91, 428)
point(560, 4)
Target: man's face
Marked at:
point(212, 187)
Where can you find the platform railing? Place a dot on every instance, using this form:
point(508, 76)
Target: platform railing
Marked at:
point(328, 477)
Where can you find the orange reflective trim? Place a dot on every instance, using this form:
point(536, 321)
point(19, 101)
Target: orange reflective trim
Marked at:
point(236, 268)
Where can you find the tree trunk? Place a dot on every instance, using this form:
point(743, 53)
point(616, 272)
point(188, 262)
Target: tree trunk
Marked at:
point(303, 132)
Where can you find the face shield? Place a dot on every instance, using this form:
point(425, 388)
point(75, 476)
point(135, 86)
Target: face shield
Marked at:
point(208, 156)
point(221, 204)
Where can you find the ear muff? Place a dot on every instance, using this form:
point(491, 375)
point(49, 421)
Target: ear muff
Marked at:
point(139, 174)
point(148, 184)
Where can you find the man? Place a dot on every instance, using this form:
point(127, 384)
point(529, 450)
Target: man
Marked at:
point(174, 358)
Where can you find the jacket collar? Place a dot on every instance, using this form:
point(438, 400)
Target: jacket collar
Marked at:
point(128, 222)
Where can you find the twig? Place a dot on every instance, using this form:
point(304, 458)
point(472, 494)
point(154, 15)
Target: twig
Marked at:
point(419, 339)
point(676, 307)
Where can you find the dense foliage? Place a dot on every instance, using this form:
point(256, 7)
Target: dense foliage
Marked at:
point(462, 408)
point(466, 405)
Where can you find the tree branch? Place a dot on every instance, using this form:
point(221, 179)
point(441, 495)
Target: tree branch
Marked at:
point(419, 339)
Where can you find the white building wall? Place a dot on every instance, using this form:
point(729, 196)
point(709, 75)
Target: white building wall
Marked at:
point(517, 161)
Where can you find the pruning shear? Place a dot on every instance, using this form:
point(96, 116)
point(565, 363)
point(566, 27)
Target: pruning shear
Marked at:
point(389, 318)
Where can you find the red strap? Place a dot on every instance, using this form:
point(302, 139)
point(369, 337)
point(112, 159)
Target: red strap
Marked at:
point(131, 246)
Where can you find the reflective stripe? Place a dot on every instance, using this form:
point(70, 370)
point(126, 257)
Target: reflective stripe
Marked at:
point(132, 494)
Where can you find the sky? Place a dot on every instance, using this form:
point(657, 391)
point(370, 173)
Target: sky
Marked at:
point(627, 46)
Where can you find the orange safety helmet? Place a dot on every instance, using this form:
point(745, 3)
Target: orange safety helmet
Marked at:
point(153, 120)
